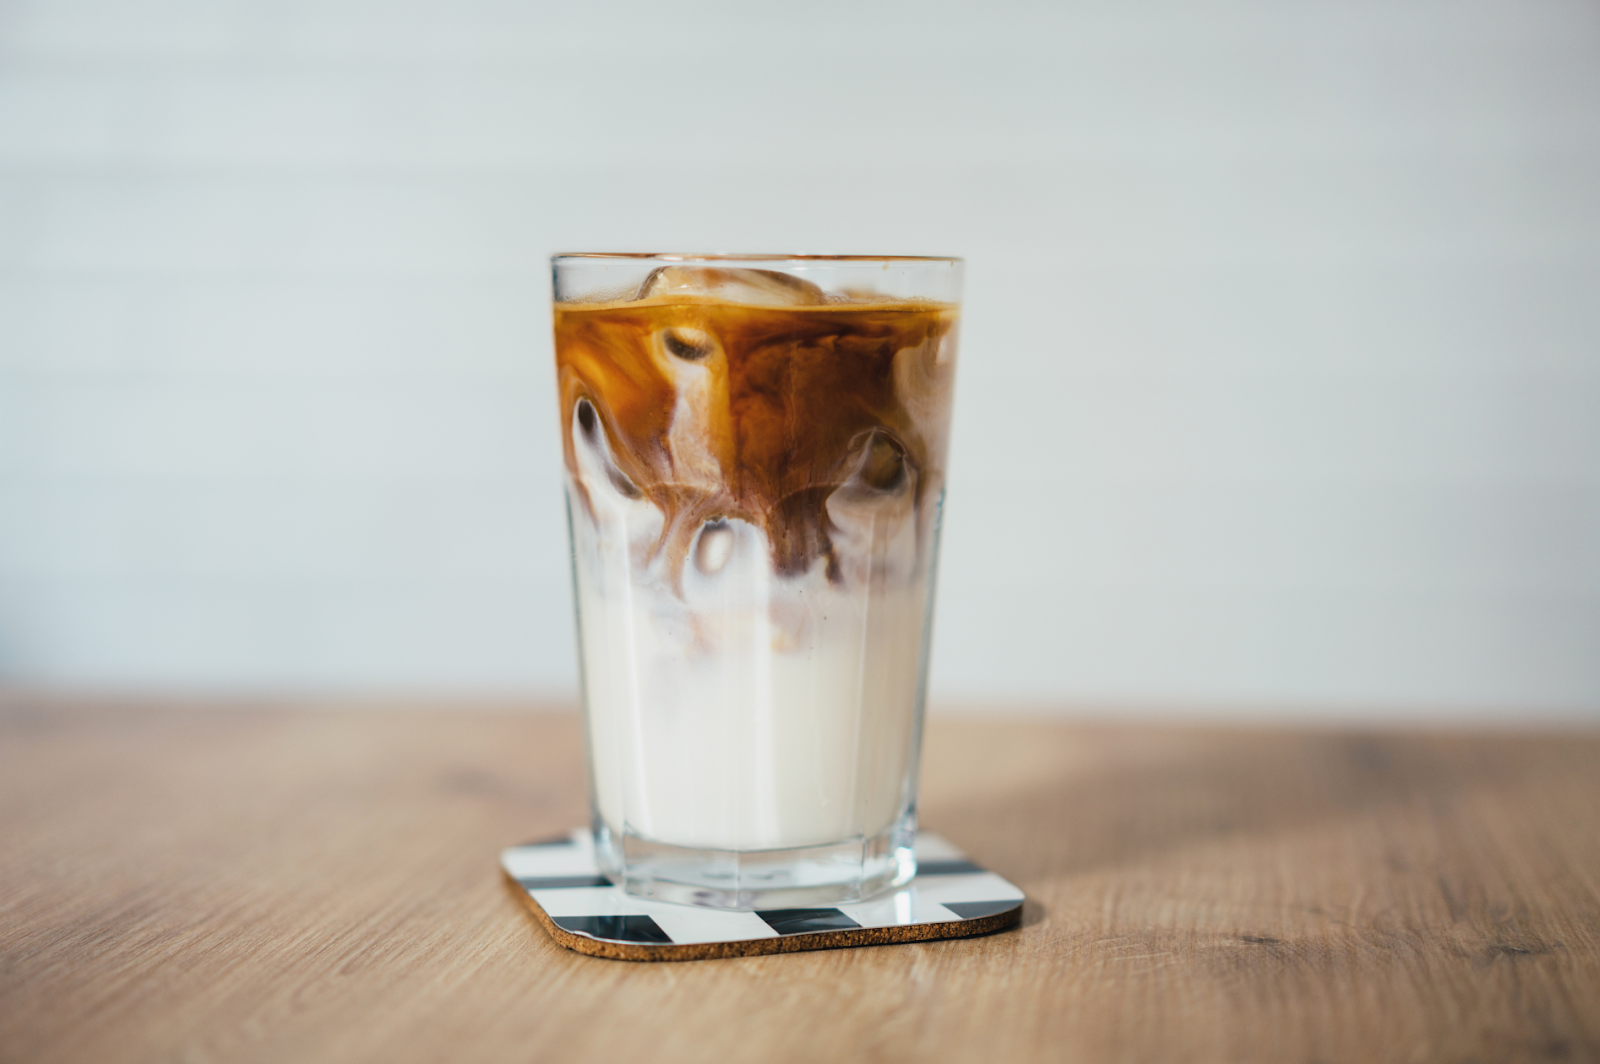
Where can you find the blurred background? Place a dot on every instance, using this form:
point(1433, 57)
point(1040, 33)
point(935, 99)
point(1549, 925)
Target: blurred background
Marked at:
point(1280, 391)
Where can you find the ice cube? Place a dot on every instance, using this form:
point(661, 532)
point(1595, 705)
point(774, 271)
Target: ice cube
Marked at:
point(883, 466)
point(715, 547)
point(764, 287)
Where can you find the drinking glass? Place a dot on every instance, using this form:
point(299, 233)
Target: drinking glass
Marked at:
point(755, 473)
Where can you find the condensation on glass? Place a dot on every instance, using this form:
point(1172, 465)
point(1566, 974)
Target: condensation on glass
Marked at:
point(755, 459)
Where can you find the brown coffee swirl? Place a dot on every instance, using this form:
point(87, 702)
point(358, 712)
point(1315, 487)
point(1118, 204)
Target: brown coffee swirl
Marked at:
point(713, 410)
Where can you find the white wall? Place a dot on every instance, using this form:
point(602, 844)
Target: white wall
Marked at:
point(1281, 379)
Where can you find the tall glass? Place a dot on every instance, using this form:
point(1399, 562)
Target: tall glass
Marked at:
point(755, 455)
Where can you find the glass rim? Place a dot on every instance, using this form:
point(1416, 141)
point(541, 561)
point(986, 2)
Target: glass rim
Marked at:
point(727, 256)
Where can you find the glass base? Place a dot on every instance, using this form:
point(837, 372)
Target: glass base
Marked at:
point(851, 870)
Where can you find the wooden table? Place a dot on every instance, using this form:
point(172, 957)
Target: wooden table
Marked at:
point(247, 883)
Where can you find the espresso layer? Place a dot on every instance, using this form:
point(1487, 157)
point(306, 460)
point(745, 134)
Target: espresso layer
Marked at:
point(716, 410)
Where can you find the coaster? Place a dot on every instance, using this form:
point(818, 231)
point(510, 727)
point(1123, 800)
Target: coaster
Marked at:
point(950, 898)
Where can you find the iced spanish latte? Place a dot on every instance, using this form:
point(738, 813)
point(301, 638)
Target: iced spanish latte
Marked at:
point(755, 458)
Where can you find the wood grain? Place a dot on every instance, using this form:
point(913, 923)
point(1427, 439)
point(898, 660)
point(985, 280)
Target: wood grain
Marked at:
point(266, 883)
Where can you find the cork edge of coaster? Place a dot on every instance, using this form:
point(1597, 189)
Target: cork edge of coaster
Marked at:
point(755, 947)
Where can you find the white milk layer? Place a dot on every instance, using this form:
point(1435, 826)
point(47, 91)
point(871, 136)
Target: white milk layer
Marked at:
point(741, 710)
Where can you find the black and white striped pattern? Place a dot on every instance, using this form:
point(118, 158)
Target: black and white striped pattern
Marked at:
point(562, 878)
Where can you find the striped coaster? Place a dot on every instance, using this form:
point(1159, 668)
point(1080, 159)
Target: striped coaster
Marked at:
point(950, 898)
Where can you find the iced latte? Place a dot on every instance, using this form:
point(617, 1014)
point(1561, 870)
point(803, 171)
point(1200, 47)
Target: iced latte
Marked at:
point(755, 457)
